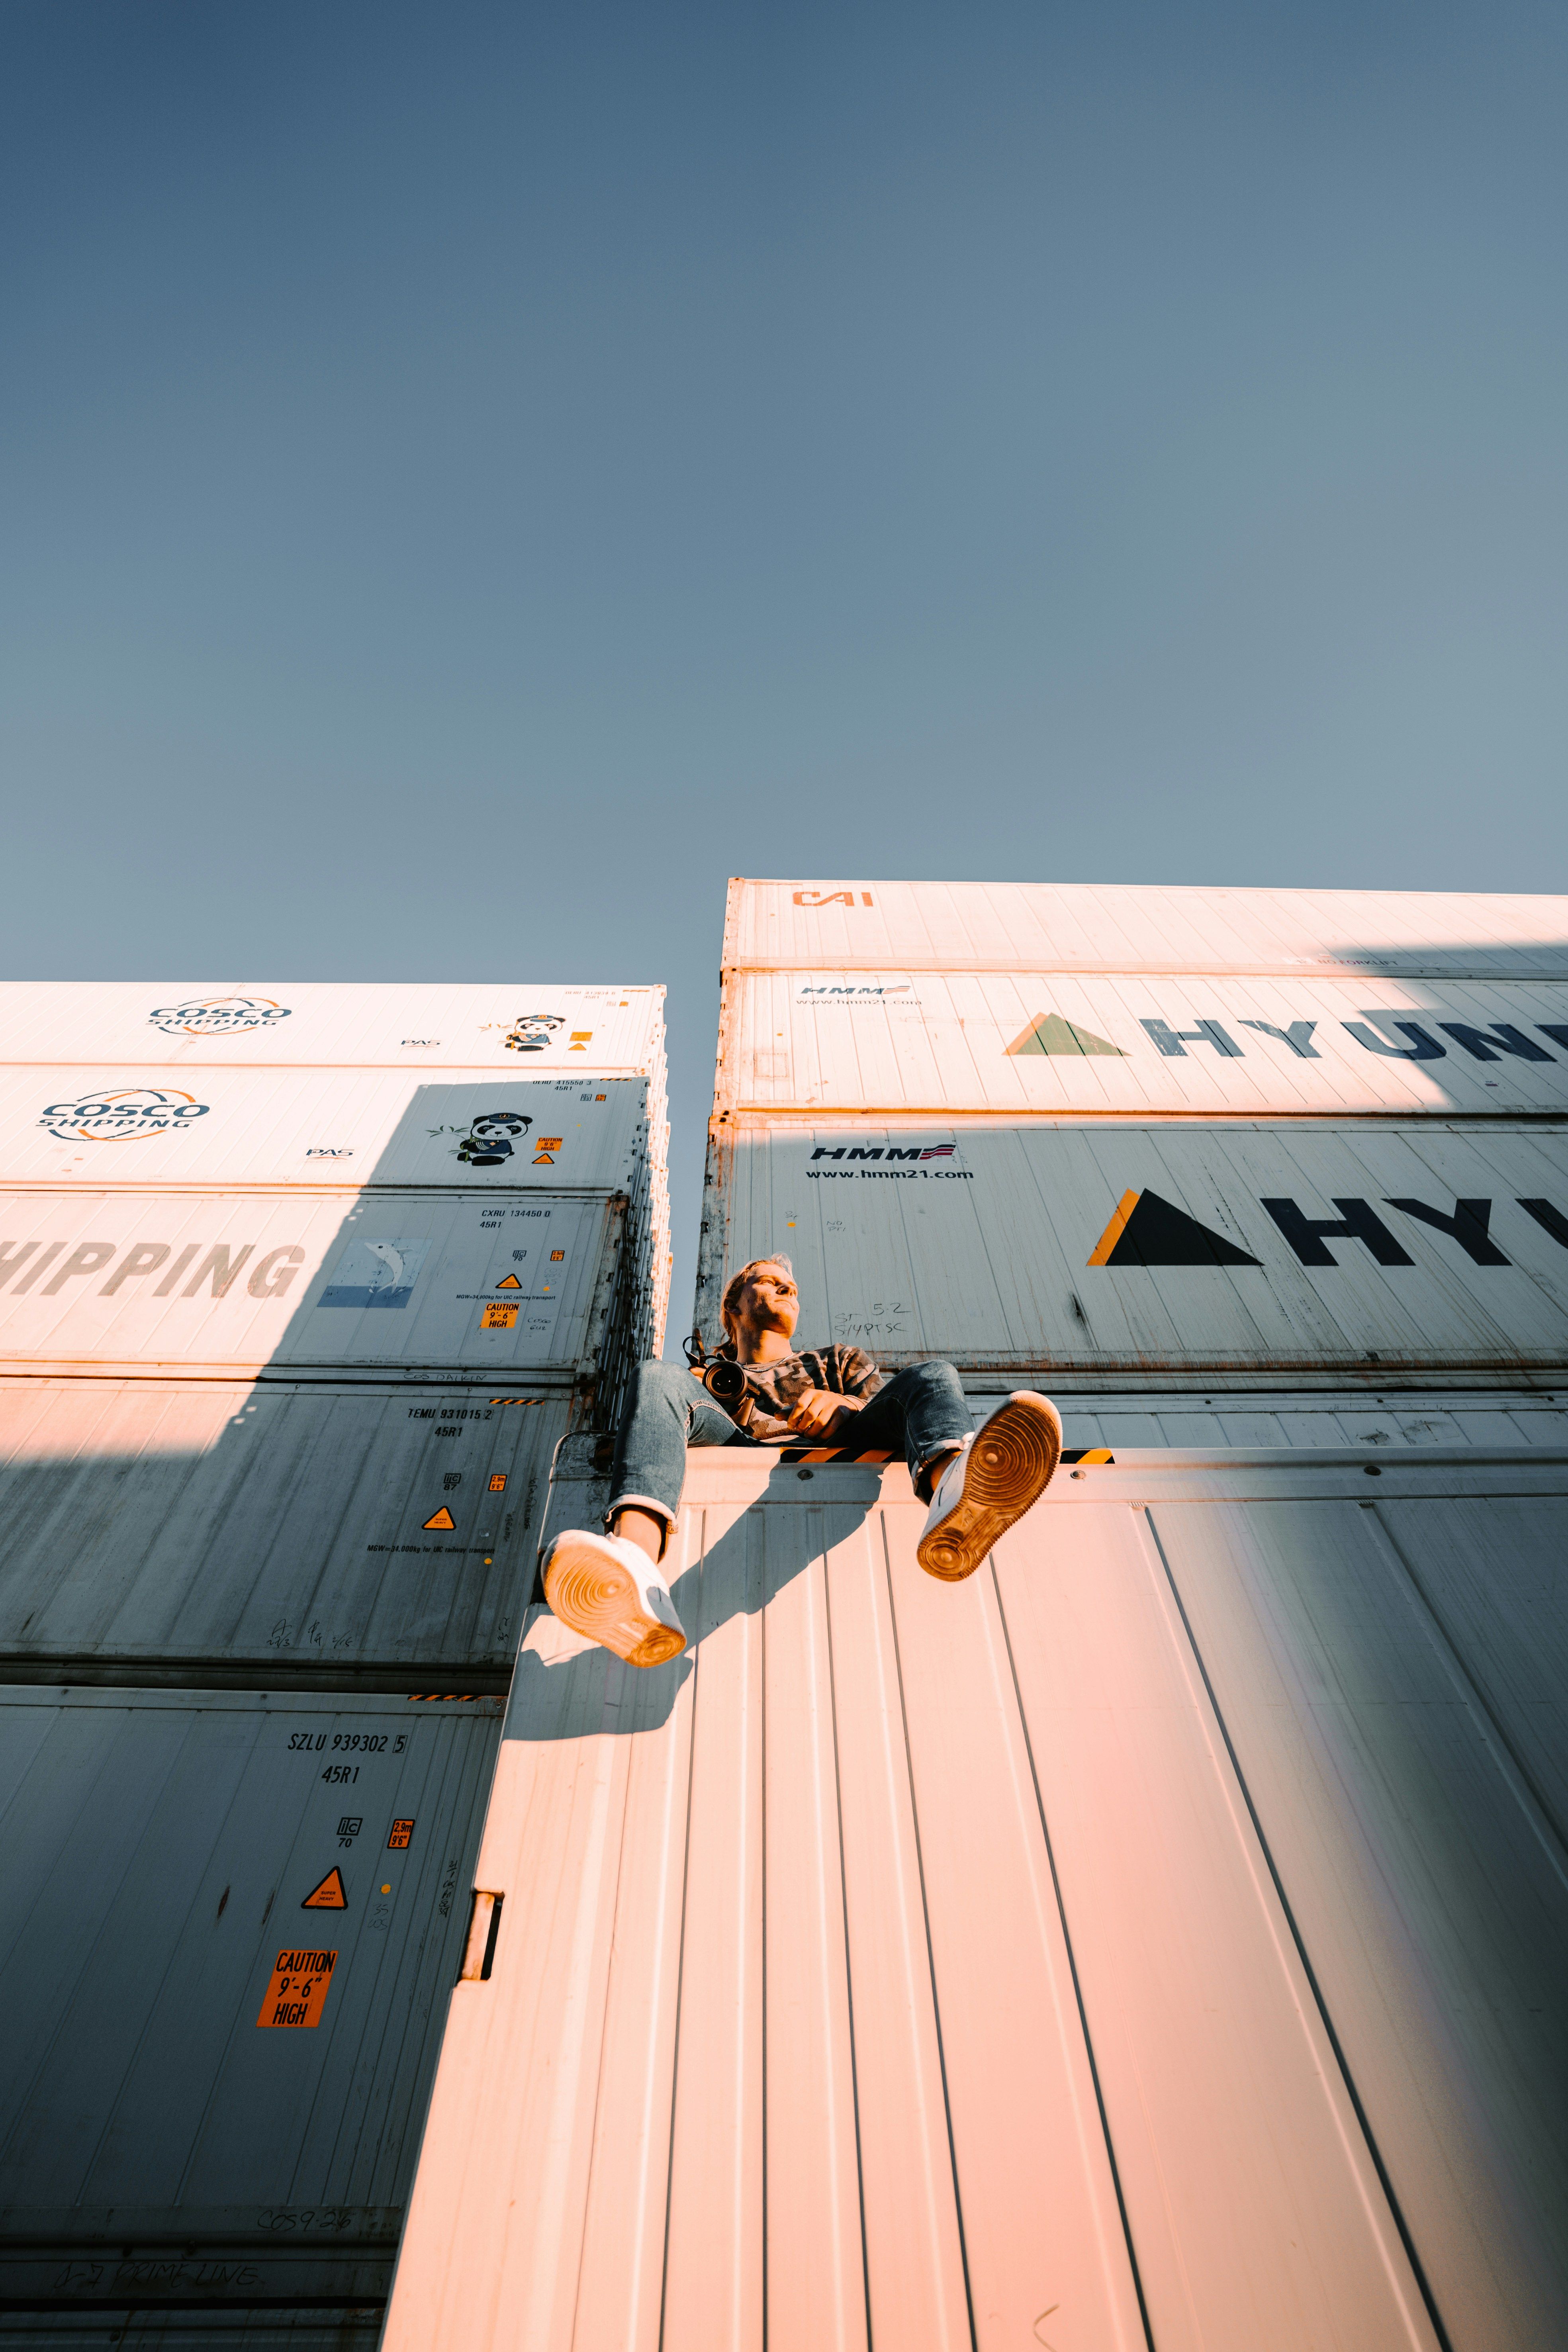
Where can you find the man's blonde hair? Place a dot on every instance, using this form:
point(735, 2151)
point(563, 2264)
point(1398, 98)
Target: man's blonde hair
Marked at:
point(738, 1282)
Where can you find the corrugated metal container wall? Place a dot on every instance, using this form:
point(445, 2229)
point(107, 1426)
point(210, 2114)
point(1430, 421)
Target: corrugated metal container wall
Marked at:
point(1156, 1940)
point(212, 1530)
point(530, 1028)
point(231, 1923)
point(300, 1288)
point(1240, 1248)
point(1357, 1167)
point(1053, 927)
point(232, 1281)
point(1449, 1415)
point(346, 1129)
point(1096, 1046)
point(1159, 1939)
point(126, 2328)
point(320, 1089)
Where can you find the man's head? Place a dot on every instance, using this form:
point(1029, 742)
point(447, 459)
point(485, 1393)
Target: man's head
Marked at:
point(761, 1298)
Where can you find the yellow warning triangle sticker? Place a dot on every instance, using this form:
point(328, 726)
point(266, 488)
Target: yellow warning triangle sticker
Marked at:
point(329, 1896)
point(509, 1282)
point(545, 1160)
point(441, 1519)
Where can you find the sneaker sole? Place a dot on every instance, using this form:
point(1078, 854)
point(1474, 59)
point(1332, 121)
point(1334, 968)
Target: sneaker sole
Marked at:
point(1009, 1466)
point(600, 1598)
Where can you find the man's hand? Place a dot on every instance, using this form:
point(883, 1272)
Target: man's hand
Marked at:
point(821, 1412)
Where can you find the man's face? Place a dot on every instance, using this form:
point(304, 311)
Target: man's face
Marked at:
point(769, 1302)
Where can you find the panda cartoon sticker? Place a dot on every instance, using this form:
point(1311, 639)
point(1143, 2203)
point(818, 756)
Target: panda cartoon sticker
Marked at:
point(531, 1032)
point(489, 1140)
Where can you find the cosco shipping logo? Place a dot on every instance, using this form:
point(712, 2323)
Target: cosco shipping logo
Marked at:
point(122, 1115)
point(217, 1016)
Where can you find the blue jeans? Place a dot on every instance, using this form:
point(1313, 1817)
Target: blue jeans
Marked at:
point(919, 1413)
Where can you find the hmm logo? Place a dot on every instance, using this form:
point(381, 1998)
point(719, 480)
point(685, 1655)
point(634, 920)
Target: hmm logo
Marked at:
point(885, 1152)
point(218, 1016)
point(838, 989)
point(122, 1115)
point(829, 898)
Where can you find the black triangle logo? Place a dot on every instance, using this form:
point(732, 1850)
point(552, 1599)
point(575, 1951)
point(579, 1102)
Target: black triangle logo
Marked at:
point(1150, 1231)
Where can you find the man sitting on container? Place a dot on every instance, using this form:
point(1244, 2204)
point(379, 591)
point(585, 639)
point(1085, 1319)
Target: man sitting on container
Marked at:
point(978, 1482)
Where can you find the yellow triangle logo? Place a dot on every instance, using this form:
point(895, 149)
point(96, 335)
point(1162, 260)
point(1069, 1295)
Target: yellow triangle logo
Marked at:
point(1148, 1230)
point(509, 1282)
point(442, 1518)
point(329, 1896)
point(1115, 1229)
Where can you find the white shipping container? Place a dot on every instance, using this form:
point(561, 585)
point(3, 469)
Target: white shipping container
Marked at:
point(1156, 1940)
point(1098, 1044)
point(230, 1921)
point(465, 1281)
point(845, 926)
point(267, 1529)
point(523, 1026)
point(1423, 1414)
point(129, 2328)
point(1242, 1248)
point(346, 1128)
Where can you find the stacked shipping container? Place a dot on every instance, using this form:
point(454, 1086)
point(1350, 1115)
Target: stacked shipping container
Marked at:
point(1159, 1939)
point(946, 1124)
point(298, 1291)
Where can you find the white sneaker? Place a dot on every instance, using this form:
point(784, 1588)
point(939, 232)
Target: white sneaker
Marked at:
point(990, 1483)
point(607, 1588)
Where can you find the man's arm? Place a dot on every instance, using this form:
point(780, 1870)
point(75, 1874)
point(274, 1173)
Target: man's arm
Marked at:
point(825, 1413)
point(819, 1412)
point(851, 1372)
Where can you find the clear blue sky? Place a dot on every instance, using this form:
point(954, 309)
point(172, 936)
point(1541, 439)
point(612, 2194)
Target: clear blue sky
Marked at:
point(474, 477)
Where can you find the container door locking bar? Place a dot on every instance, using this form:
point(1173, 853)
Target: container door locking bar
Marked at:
point(484, 1926)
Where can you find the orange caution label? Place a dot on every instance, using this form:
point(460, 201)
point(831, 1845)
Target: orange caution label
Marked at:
point(401, 1830)
point(329, 1895)
point(498, 1318)
point(509, 1282)
point(497, 1482)
point(442, 1520)
point(544, 1160)
point(556, 1257)
point(550, 1143)
point(297, 1993)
